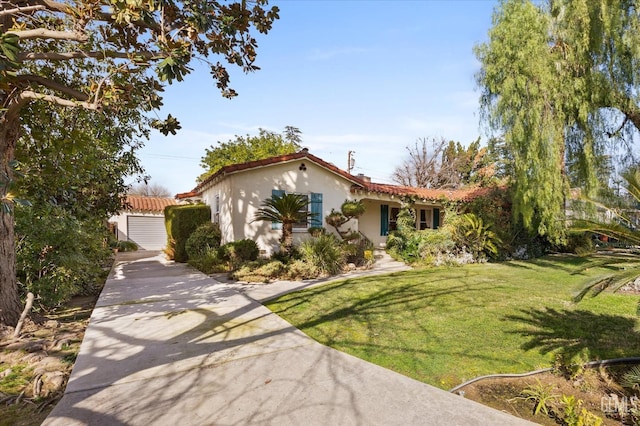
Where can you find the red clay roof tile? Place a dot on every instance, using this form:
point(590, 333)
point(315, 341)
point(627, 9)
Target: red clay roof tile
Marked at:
point(190, 194)
point(358, 183)
point(139, 203)
point(425, 193)
point(276, 160)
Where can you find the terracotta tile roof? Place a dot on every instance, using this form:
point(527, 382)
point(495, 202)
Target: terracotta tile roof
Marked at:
point(190, 194)
point(139, 203)
point(359, 184)
point(423, 193)
point(276, 160)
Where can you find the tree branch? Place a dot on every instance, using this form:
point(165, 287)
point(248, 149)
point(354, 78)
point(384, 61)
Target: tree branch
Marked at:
point(46, 4)
point(616, 132)
point(50, 34)
point(29, 95)
point(64, 56)
point(27, 309)
point(19, 9)
point(53, 85)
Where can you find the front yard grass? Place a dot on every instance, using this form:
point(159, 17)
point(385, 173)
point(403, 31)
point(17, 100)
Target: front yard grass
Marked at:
point(444, 326)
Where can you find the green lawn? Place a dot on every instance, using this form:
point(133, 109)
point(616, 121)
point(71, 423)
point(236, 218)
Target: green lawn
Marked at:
point(447, 325)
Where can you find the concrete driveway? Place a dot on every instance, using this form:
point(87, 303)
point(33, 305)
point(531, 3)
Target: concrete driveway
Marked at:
point(167, 345)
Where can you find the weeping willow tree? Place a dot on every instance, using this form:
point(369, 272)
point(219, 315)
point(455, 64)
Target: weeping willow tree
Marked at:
point(560, 82)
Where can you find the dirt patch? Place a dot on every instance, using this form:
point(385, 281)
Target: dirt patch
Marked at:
point(598, 391)
point(35, 368)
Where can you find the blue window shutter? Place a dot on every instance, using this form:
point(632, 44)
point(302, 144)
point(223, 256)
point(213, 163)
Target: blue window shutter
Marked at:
point(316, 210)
point(384, 219)
point(279, 193)
point(436, 218)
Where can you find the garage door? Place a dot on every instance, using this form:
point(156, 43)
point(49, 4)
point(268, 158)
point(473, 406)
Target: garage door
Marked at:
point(149, 233)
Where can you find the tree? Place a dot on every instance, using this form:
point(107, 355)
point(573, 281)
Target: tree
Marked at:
point(559, 81)
point(349, 210)
point(106, 56)
point(77, 160)
point(150, 190)
point(444, 165)
point(286, 209)
point(622, 227)
point(242, 149)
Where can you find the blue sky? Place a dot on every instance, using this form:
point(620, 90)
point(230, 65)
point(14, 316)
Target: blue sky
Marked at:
point(366, 76)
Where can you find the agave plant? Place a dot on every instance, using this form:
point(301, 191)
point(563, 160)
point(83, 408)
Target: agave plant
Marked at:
point(621, 228)
point(477, 236)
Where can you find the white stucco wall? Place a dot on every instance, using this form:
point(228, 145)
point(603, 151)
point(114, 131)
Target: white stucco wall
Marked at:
point(242, 193)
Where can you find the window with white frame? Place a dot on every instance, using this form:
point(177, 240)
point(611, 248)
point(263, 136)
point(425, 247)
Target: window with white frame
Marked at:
point(304, 223)
point(314, 206)
point(216, 209)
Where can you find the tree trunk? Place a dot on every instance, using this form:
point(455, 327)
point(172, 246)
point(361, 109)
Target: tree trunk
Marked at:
point(287, 237)
point(9, 299)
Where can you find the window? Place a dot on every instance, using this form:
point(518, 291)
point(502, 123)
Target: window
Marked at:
point(316, 210)
point(422, 220)
point(436, 218)
point(388, 219)
point(304, 224)
point(216, 211)
point(314, 206)
point(393, 218)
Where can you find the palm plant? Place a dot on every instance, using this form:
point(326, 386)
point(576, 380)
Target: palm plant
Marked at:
point(620, 228)
point(286, 209)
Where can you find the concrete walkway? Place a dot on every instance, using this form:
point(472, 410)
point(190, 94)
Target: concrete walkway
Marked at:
point(167, 345)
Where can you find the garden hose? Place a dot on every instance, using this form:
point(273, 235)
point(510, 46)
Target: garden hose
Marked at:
point(590, 364)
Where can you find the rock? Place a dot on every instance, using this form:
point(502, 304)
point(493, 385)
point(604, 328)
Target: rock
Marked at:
point(48, 364)
point(53, 381)
point(52, 324)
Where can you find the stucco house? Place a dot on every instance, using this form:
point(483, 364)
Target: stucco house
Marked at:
point(143, 221)
point(236, 192)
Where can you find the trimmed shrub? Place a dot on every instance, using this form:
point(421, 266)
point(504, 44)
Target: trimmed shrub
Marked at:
point(325, 253)
point(238, 252)
point(181, 222)
point(316, 231)
point(209, 263)
point(205, 238)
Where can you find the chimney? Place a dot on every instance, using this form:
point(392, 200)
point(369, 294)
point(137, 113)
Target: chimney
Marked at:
point(361, 176)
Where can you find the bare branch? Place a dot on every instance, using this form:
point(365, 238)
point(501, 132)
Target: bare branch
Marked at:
point(29, 5)
point(50, 34)
point(53, 85)
point(18, 9)
point(64, 56)
point(29, 95)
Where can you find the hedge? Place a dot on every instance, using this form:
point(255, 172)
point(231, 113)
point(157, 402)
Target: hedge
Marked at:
point(180, 222)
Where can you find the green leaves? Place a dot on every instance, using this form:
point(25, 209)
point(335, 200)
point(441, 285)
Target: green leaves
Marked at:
point(174, 67)
point(9, 50)
point(170, 125)
point(249, 148)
